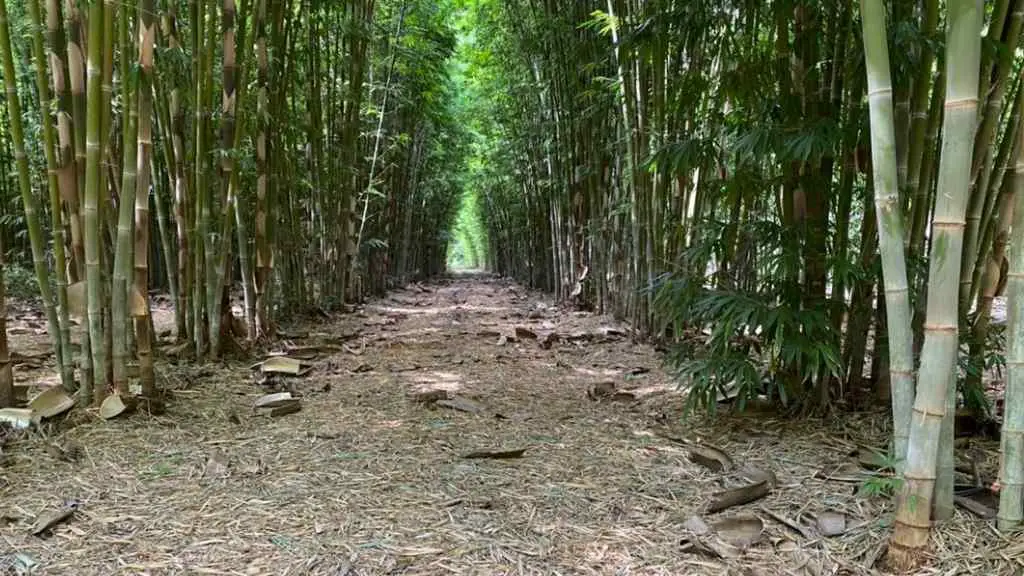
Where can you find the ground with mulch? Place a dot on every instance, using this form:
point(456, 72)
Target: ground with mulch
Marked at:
point(466, 426)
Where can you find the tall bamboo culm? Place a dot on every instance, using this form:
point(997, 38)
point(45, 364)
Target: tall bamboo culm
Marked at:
point(938, 355)
point(29, 204)
point(890, 222)
point(1011, 469)
point(140, 282)
point(91, 205)
point(54, 181)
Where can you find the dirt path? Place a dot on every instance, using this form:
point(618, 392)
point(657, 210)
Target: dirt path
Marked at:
point(365, 480)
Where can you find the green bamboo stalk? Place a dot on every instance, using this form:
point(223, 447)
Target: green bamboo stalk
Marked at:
point(890, 221)
point(919, 112)
point(233, 96)
point(76, 75)
point(68, 175)
point(182, 219)
point(925, 196)
point(938, 356)
point(201, 212)
point(264, 253)
point(994, 185)
point(166, 184)
point(6, 369)
point(981, 165)
point(161, 191)
point(64, 361)
point(140, 304)
point(1011, 469)
point(76, 108)
point(123, 256)
point(28, 199)
point(993, 273)
point(108, 180)
point(91, 206)
point(1000, 10)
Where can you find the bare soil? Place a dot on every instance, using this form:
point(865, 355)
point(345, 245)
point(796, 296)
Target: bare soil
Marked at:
point(598, 473)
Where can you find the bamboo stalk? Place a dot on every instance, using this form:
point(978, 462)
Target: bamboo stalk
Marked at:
point(890, 222)
point(140, 309)
point(938, 356)
point(981, 166)
point(91, 208)
point(1011, 469)
point(264, 253)
point(182, 199)
point(233, 96)
point(201, 213)
point(64, 361)
point(28, 200)
point(6, 368)
point(123, 255)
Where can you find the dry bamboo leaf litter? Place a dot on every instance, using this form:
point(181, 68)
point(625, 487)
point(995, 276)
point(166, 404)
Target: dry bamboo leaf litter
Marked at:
point(367, 480)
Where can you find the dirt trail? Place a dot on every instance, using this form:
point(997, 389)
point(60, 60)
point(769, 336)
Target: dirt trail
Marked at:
point(366, 480)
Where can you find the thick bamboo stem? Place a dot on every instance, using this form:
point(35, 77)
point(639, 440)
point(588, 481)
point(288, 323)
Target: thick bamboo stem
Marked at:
point(890, 222)
point(938, 356)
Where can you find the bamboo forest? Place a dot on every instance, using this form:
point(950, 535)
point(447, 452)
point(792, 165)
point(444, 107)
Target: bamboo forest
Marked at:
point(424, 287)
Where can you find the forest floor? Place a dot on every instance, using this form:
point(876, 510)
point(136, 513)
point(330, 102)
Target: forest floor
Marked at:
point(373, 474)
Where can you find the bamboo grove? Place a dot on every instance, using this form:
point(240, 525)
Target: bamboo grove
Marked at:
point(286, 155)
point(806, 202)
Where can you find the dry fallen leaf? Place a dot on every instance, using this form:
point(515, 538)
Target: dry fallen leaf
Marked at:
point(112, 407)
point(51, 402)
